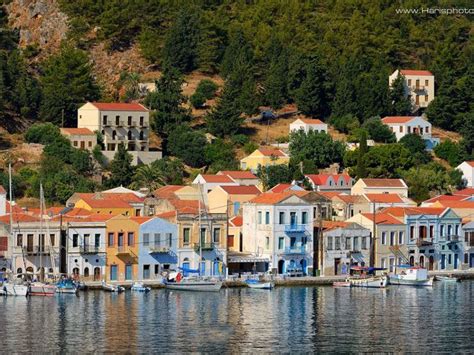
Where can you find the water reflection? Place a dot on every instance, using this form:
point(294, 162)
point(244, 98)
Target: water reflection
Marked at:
point(241, 320)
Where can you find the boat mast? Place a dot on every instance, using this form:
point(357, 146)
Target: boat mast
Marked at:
point(199, 231)
point(10, 245)
point(40, 244)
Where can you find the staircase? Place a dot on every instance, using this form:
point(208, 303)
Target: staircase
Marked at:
point(395, 249)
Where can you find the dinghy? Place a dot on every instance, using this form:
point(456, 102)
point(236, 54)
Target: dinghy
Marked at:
point(112, 288)
point(259, 285)
point(139, 287)
point(447, 279)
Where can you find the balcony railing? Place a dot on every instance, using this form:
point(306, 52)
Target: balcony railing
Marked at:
point(89, 249)
point(35, 250)
point(418, 87)
point(159, 249)
point(295, 228)
point(123, 250)
point(204, 247)
point(300, 249)
point(424, 242)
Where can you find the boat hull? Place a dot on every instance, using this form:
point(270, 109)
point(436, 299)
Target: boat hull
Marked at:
point(261, 285)
point(447, 279)
point(66, 290)
point(42, 290)
point(370, 282)
point(201, 286)
point(341, 284)
point(15, 290)
point(416, 283)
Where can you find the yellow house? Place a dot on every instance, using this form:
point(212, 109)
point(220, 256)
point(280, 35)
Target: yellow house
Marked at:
point(108, 203)
point(234, 239)
point(264, 157)
point(380, 186)
point(232, 197)
point(122, 246)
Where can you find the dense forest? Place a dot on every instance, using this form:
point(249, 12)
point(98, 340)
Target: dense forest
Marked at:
point(330, 58)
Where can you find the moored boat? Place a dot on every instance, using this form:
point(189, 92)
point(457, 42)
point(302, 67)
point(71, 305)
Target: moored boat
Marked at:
point(41, 289)
point(411, 276)
point(15, 289)
point(370, 282)
point(341, 284)
point(194, 285)
point(112, 288)
point(447, 278)
point(260, 285)
point(140, 287)
point(66, 286)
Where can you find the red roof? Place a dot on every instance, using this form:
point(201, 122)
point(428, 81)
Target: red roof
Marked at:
point(446, 198)
point(217, 178)
point(165, 215)
point(384, 182)
point(397, 119)
point(402, 211)
point(327, 225)
point(119, 106)
point(124, 196)
point(237, 221)
point(167, 191)
point(78, 131)
point(322, 179)
point(457, 204)
point(384, 198)
point(16, 208)
point(415, 72)
point(271, 152)
point(2, 190)
point(311, 121)
point(348, 198)
point(186, 206)
point(238, 174)
point(280, 188)
point(382, 218)
point(270, 198)
point(465, 192)
point(18, 217)
point(471, 163)
point(241, 190)
point(140, 219)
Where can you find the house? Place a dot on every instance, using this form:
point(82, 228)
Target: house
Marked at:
point(278, 227)
point(285, 187)
point(371, 202)
point(344, 245)
point(307, 124)
point(468, 247)
point(342, 205)
point(86, 247)
point(442, 198)
point(467, 169)
point(229, 199)
point(403, 125)
point(264, 157)
point(128, 204)
point(241, 177)
point(330, 182)
point(419, 86)
point(433, 236)
point(3, 201)
point(122, 247)
point(208, 182)
point(380, 186)
point(126, 123)
point(463, 208)
point(157, 248)
point(390, 241)
point(81, 138)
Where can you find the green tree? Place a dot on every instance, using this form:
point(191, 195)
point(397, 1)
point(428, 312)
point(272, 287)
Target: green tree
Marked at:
point(180, 48)
point(67, 82)
point(378, 131)
point(361, 168)
point(275, 84)
point(42, 133)
point(400, 102)
point(387, 161)
point(451, 152)
point(121, 169)
point(148, 177)
point(273, 174)
point(220, 156)
point(188, 145)
point(171, 170)
point(205, 90)
point(416, 145)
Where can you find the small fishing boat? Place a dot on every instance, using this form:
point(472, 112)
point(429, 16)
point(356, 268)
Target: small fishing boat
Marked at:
point(341, 284)
point(41, 289)
point(112, 288)
point(140, 287)
point(447, 278)
point(411, 276)
point(362, 276)
point(67, 286)
point(175, 281)
point(15, 288)
point(260, 285)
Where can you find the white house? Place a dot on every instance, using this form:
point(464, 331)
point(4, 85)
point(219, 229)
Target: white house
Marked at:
point(330, 182)
point(380, 186)
point(419, 85)
point(206, 183)
point(403, 125)
point(279, 228)
point(467, 169)
point(308, 124)
point(3, 201)
point(126, 123)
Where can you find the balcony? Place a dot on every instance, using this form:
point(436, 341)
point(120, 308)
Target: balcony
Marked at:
point(295, 250)
point(418, 88)
point(159, 250)
point(451, 239)
point(124, 250)
point(89, 249)
point(35, 250)
point(424, 243)
point(295, 228)
point(204, 247)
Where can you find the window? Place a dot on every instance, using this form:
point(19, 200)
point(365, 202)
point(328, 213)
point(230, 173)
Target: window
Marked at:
point(142, 121)
point(449, 258)
point(129, 135)
point(391, 263)
point(74, 143)
point(19, 240)
point(281, 243)
point(441, 230)
point(348, 243)
point(202, 235)
point(356, 243)
point(281, 218)
point(216, 234)
point(426, 82)
point(427, 130)
point(412, 232)
point(97, 240)
point(259, 217)
point(267, 217)
point(457, 229)
point(364, 243)
point(401, 129)
point(267, 242)
point(110, 239)
point(292, 242)
point(86, 239)
point(400, 238)
point(104, 120)
point(304, 218)
point(409, 129)
point(293, 219)
point(230, 241)
point(157, 240)
point(337, 243)
point(129, 120)
point(117, 120)
point(142, 136)
point(75, 240)
point(384, 238)
point(146, 239)
point(329, 244)
point(52, 239)
point(169, 239)
point(89, 144)
point(409, 82)
point(130, 238)
point(431, 231)
point(236, 208)
point(392, 238)
point(426, 98)
point(186, 233)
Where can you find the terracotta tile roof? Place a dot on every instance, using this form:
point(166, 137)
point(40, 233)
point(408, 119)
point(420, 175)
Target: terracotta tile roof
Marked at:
point(19, 217)
point(322, 179)
point(330, 194)
point(384, 198)
point(236, 221)
point(384, 182)
point(186, 205)
point(457, 204)
point(268, 152)
point(78, 212)
point(445, 198)
point(165, 215)
point(241, 190)
point(85, 219)
point(402, 211)
point(109, 200)
point(328, 225)
point(471, 163)
point(2, 190)
point(397, 119)
point(16, 208)
point(348, 198)
point(311, 121)
point(217, 178)
point(238, 174)
point(140, 219)
point(119, 106)
point(280, 188)
point(382, 218)
point(270, 198)
point(465, 192)
point(106, 203)
point(415, 72)
point(77, 131)
point(167, 191)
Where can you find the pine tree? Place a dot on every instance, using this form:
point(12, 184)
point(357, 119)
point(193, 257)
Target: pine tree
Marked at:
point(238, 53)
point(67, 82)
point(210, 48)
point(180, 49)
point(275, 84)
point(399, 101)
point(361, 169)
point(121, 168)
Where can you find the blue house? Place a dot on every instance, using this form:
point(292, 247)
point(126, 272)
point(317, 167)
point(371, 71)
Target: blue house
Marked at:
point(434, 238)
point(157, 250)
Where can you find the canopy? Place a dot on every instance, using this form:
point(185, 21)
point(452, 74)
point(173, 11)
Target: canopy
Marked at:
point(247, 259)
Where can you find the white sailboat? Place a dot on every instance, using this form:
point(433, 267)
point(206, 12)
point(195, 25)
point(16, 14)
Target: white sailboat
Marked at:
point(411, 276)
point(175, 280)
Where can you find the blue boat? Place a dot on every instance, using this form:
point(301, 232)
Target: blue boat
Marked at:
point(262, 285)
point(66, 286)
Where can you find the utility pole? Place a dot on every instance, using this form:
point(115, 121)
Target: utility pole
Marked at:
point(317, 241)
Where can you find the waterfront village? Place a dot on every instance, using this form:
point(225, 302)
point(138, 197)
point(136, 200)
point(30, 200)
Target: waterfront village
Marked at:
point(225, 225)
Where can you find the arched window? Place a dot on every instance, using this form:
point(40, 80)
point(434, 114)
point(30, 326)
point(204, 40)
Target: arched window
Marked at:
point(142, 135)
point(19, 270)
point(75, 271)
point(129, 135)
point(114, 134)
point(86, 272)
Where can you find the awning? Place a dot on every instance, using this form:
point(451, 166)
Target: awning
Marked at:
point(358, 257)
point(247, 259)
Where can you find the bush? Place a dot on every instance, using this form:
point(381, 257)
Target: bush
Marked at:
point(205, 90)
point(283, 139)
point(42, 133)
point(250, 147)
point(188, 145)
point(197, 100)
point(344, 124)
point(378, 131)
point(450, 151)
point(240, 139)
